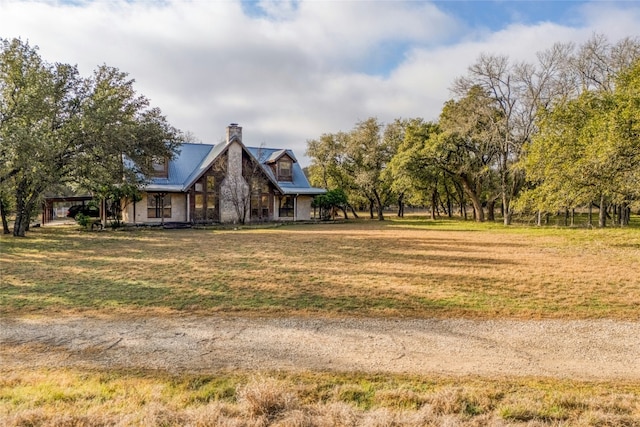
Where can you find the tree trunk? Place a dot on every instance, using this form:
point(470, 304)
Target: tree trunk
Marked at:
point(602, 216)
point(491, 206)
point(539, 218)
point(442, 206)
point(353, 212)
point(434, 201)
point(507, 210)
point(3, 214)
point(475, 200)
point(23, 217)
point(627, 215)
point(590, 214)
point(24, 208)
point(449, 203)
point(401, 205)
point(504, 183)
point(371, 209)
point(344, 212)
point(379, 207)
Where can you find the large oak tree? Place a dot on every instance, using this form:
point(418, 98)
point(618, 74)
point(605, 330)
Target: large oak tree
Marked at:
point(58, 128)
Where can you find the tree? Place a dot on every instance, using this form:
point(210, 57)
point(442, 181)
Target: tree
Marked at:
point(584, 152)
point(518, 90)
point(415, 173)
point(59, 128)
point(329, 202)
point(328, 166)
point(4, 209)
point(367, 154)
point(468, 145)
point(116, 197)
point(588, 150)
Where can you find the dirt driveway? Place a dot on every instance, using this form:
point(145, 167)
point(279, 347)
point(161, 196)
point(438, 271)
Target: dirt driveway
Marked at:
point(563, 349)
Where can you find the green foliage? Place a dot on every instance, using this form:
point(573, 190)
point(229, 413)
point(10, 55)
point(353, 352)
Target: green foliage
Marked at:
point(83, 220)
point(468, 146)
point(355, 162)
point(117, 196)
point(546, 136)
point(587, 149)
point(330, 201)
point(60, 128)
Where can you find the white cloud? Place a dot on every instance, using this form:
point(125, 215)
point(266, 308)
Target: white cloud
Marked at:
point(295, 71)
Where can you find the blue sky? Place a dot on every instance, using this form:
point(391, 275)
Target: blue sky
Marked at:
point(288, 71)
point(497, 14)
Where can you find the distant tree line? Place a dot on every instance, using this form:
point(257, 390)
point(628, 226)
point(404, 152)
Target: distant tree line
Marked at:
point(537, 138)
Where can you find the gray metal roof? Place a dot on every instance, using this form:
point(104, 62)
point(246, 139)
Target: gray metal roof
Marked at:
point(194, 159)
point(189, 160)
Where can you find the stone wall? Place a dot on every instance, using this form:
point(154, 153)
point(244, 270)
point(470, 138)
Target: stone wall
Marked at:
point(234, 190)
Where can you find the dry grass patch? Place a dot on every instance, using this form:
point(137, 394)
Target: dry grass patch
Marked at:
point(396, 268)
point(50, 397)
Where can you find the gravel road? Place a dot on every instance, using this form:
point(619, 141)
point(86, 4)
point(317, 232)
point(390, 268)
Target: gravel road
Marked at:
point(583, 349)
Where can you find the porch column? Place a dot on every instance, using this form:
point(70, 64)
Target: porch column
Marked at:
point(295, 208)
point(188, 208)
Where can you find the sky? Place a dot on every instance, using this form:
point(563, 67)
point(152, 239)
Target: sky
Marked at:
point(290, 71)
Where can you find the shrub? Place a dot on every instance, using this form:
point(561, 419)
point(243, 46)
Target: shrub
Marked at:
point(83, 220)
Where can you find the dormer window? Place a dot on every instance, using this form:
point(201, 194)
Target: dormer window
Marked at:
point(160, 167)
point(284, 170)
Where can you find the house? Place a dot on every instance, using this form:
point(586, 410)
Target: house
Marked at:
point(225, 183)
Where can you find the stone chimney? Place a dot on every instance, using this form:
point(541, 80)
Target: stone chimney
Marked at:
point(234, 131)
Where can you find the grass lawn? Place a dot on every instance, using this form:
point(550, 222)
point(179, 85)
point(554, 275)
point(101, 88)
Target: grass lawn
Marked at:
point(396, 268)
point(404, 268)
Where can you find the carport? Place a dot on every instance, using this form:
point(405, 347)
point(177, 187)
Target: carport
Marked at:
point(49, 205)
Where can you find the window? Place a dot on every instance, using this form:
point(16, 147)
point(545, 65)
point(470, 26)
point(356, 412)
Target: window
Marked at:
point(212, 199)
point(158, 205)
point(259, 200)
point(160, 167)
point(286, 207)
point(284, 170)
point(199, 207)
point(206, 199)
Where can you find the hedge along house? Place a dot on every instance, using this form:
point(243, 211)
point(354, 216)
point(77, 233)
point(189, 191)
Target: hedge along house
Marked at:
point(225, 183)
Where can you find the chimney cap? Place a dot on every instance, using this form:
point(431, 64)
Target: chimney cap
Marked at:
point(233, 125)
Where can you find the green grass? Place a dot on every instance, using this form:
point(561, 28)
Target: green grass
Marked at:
point(398, 268)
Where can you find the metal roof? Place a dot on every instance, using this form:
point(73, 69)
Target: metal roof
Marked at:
point(194, 159)
point(299, 183)
point(189, 160)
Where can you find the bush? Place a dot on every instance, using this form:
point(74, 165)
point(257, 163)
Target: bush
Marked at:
point(83, 220)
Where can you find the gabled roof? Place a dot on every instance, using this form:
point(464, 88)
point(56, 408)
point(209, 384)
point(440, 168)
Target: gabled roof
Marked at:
point(299, 183)
point(277, 155)
point(195, 159)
